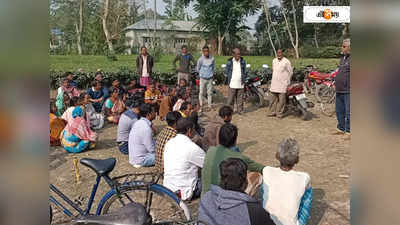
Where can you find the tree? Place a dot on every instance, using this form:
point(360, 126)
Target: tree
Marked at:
point(175, 9)
point(267, 18)
point(79, 28)
point(221, 17)
point(294, 41)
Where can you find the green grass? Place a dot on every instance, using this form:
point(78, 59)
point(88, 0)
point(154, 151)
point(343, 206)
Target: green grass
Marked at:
point(92, 63)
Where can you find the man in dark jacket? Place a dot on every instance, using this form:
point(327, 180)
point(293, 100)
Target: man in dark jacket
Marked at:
point(343, 91)
point(236, 75)
point(144, 66)
point(186, 63)
point(227, 204)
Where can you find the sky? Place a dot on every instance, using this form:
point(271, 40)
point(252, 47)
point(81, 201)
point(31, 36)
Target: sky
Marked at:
point(250, 21)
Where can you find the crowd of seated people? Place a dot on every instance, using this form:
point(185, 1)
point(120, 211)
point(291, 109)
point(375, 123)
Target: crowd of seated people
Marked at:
point(196, 162)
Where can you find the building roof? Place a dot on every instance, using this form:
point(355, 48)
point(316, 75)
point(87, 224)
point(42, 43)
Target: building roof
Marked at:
point(174, 25)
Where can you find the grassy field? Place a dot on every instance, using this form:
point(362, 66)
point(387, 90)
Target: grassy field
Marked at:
point(92, 63)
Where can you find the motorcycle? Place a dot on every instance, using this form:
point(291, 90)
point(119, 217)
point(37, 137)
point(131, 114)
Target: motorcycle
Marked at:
point(314, 78)
point(297, 101)
point(252, 88)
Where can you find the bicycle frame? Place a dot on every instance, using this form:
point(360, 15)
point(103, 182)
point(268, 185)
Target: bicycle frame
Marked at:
point(71, 203)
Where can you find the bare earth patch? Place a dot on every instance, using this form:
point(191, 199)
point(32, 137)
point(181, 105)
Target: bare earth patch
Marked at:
point(324, 156)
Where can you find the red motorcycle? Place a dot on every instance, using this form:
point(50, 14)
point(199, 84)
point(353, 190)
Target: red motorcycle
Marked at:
point(297, 101)
point(326, 95)
point(314, 78)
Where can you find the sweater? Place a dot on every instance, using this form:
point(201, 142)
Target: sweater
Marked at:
point(225, 207)
point(215, 155)
point(185, 63)
point(343, 76)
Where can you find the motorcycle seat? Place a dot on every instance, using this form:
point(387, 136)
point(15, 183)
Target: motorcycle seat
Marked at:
point(130, 214)
point(318, 75)
point(100, 166)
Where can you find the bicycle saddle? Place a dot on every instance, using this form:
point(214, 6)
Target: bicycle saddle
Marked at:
point(130, 214)
point(100, 166)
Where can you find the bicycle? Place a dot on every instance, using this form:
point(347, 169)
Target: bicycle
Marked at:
point(131, 189)
point(131, 214)
point(326, 93)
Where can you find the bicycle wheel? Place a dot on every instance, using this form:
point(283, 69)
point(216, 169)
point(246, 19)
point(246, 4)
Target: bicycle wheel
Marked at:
point(329, 108)
point(165, 205)
point(324, 93)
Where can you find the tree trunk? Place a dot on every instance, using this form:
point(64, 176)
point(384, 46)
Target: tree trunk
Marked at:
point(106, 32)
point(296, 48)
point(266, 9)
point(155, 24)
point(292, 41)
point(345, 32)
point(79, 28)
point(220, 41)
point(315, 36)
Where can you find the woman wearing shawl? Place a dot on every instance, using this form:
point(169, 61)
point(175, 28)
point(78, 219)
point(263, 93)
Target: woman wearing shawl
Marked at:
point(77, 136)
point(56, 125)
point(66, 87)
point(166, 103)
point(114, 107)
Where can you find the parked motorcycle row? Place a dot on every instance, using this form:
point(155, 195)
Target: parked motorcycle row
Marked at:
point(307, 81)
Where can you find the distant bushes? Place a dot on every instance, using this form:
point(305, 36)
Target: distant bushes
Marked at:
point(322, 52)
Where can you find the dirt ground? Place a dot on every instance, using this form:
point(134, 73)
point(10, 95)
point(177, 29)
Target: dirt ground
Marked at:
point(326, 157)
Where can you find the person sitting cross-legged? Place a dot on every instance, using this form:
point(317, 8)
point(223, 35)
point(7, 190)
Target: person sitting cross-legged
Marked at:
point(287, 194)
point(125, 123)
point(228, 204)
point(215, 155)
point(164, 136)
point(77, 136)
point(182, 160)
point(141, 143)
point(114, 107)
point(97, 95)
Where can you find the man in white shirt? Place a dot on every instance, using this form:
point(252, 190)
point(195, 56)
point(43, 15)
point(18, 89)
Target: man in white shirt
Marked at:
point(236, 75)
point(283, 188)
point(182, 160)
point(282, 72)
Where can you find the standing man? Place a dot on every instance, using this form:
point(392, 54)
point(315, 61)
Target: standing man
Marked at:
point(186, 63)
point(206, 68)
point(236, 75)
point(144, 66)
point(343, 91)
point(282, 72)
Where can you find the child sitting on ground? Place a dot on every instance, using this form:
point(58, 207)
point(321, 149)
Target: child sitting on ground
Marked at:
point(286, 193)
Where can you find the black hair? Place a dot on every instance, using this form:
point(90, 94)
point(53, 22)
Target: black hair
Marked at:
point(184, 46)
point(183, 80)
point(225, 111)
point(65, 80)
point(74, 101)
point(233, 172)
point(184, 105)
point(94, 83)
point(68, 73)
point(143, 48)
point(82, 96)
point(172, 118)
point(97, 73)
point(135, 100)
point(205, 47)
point(183, 125)
point(115, 90)
point(228, 134)
point(181, 93)
point(145, 109)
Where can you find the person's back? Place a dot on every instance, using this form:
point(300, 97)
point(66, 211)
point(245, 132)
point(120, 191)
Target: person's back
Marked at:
point(283, 188)
point(227, 204)
point(215, 155)
point(212, 128)
point(182, 160)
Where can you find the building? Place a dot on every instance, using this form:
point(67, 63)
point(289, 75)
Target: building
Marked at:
point(170, 35)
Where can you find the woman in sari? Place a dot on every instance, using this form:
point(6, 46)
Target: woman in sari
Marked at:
point(114, 107)
point(68, 88)
point(56, 125)
point(77, 136)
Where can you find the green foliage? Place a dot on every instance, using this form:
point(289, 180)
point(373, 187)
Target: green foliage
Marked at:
point(322, 52)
